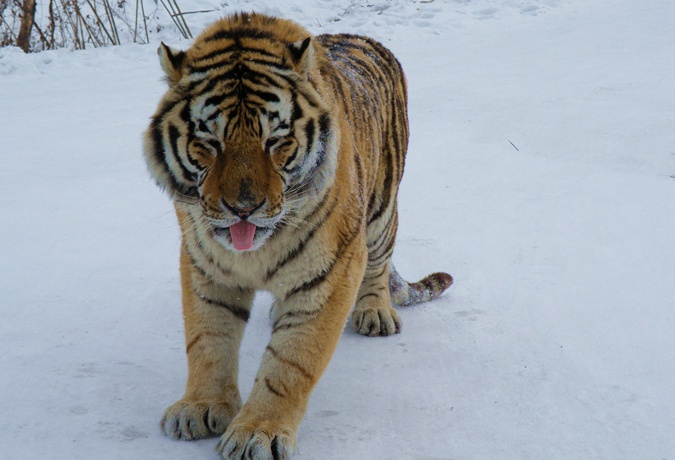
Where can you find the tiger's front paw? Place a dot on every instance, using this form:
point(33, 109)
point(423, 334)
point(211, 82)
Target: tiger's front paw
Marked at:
point(189, 420)
point(264, 440)
point(374, 321)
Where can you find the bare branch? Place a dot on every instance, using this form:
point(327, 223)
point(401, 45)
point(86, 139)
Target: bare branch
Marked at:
point(27, 19)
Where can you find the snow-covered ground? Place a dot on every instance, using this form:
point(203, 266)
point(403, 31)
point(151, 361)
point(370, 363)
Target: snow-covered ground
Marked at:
point(541, 174)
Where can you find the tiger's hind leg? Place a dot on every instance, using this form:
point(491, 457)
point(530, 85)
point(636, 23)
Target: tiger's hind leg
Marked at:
point(373, 314)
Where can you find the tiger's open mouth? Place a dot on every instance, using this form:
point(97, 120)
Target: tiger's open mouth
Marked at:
point(242, 236)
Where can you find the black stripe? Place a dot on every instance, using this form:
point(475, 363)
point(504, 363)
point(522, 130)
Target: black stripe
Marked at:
point(199, 65)
point(239, 33)
point(202, 178)
point(359, 171)
point(207, 67)
point(215, 145)
point(394, 151)
point(382, 270)
point(261, 51)
point(214, 54)
point(260, 126)
point(159, 152)
point(186, 189)
point(324, 135)
point(232, 122)
point(314, 282)
point(159, 155)
point(287, 326)
point(189, 346)
point(322, 153)
point(186, 116)
point(272, 389)
point(303, 317)
point(290, 160)
point(272, 65)
point(347, 240)
point(309, 134)
point(309, 217)
point(283, 75)
point(296, 251)
point(308, 96)
point(264, 95)
point(296, 111)
point(222, 110)
point(210, 82)
point(197, 144)
point(386, 55)
point(298, 313)
point(357, 42)
point(369, 72)
point(384, 255)
point(304, 372)
point(370, 294)
point(272, 141)
point(284, 144)
point(385, 192)
point(324, 273)
point(324, 128)
point(217, 99)
point(391, 69)
point(264, 79)
point(428, 284)
point(200, 336)
point(194, 263)
point(388, 236)
point(382, 236)
point(240, 312)
point(200, 247)
point(337, 84)
point(174, 135)
point(163, 110)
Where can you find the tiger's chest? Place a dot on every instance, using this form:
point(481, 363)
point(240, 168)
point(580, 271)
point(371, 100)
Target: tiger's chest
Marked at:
point(282, 263)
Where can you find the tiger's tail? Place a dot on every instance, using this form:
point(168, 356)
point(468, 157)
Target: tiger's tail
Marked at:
point(404, 294)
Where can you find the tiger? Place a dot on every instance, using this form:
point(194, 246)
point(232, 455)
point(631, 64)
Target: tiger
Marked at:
point(282, 153)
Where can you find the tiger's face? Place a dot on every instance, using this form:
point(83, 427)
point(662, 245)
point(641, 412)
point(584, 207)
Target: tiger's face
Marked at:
point(248, 176)
point(246, 139)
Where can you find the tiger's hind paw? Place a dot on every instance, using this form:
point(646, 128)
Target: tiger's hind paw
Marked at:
point(374, 321)
point(195, 420)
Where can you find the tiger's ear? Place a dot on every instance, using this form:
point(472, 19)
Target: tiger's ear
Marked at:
point(302, 53)
point(172, 62)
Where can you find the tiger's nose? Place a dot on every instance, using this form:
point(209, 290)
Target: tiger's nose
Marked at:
point(241, 210)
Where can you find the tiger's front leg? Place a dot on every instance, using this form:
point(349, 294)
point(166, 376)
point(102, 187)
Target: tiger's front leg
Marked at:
point(215, 317)
point(307, 327)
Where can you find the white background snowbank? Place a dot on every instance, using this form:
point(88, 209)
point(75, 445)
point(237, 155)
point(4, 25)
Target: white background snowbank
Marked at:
point(541, 174)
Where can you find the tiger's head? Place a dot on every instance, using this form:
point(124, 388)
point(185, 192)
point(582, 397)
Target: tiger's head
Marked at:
point(243, 131)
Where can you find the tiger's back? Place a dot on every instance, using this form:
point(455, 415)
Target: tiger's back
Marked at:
point(370, 85)
point(371, 88)
point(283, 153)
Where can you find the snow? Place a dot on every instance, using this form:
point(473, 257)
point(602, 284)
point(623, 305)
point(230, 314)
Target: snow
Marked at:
point(541, 175)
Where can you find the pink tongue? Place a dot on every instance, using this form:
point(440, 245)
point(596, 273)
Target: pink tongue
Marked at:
point(242, 234)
